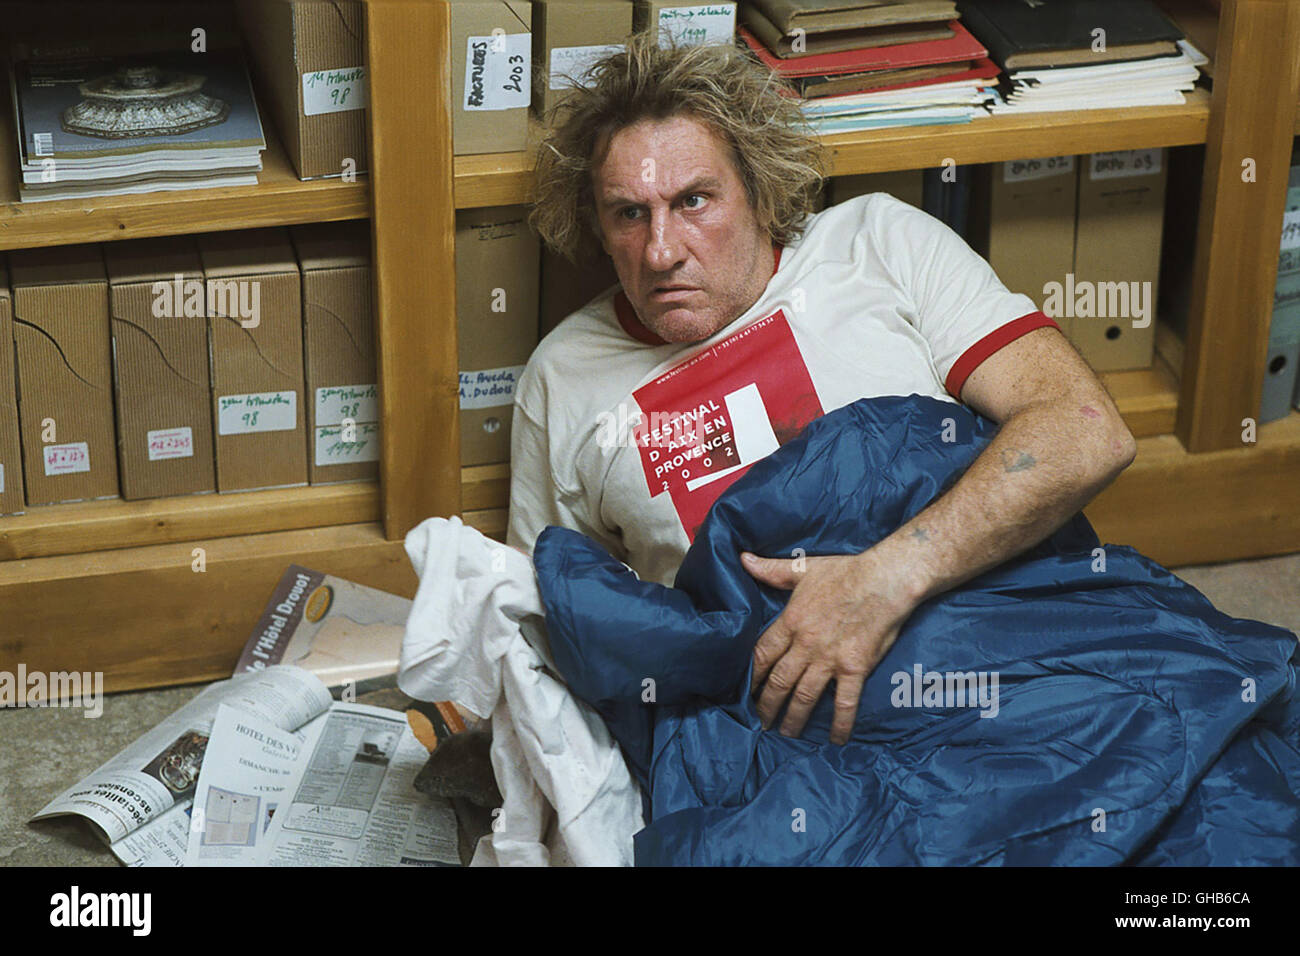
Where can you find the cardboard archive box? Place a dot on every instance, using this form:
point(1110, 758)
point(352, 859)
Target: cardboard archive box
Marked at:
point(338, 327)
point(255, 357)
point(491, 76)
point(162, 390)
point(1022, 220)
point(566, 288)
point(65, 376)
point(568, 37)
point(11, 459)
point(903, 184)
point(309, 58)
point(1117, 240)
point(497, 259)
point(687, 23)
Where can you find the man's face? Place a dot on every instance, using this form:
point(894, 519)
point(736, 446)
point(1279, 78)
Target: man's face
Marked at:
point(675, 219)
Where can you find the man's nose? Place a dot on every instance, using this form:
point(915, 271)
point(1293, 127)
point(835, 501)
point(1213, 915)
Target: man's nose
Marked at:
point(665, 249)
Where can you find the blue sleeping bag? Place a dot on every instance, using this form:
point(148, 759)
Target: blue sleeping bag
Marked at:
point(1130, 721)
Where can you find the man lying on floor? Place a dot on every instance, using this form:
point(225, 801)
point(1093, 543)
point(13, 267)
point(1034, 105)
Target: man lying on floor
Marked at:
point(932, 659)
point(742, 316)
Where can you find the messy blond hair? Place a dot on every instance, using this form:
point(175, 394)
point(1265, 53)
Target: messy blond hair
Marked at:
point(776, 154)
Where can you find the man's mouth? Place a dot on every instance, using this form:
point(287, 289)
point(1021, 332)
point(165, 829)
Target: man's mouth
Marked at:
point(671, 292)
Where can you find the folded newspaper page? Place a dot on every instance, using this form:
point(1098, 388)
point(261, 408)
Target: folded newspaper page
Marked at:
point(160, 842)
point(341, 631)
point(246, 770)
point(354, 800)
point(161, 769)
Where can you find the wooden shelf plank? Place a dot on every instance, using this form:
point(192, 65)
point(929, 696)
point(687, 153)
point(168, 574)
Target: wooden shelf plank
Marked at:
point(1023, 136)
point(144, 618)
point(1182, 508)
point(490, 521)
point(278, 199)
point(484, 486)
point(493, 179)
point(1147, 398)
point(505, 178)
point(90, 526)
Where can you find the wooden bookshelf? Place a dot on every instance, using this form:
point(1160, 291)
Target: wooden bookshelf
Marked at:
point(146, 618)
point(1021, 136)
point(499, 179)
point(1177, 507)
point(278, 199)
point(89, 526)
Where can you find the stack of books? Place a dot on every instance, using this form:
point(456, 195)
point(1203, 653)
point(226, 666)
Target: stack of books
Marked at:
point(862, 64)
point(95, 121)
point(1089, 54)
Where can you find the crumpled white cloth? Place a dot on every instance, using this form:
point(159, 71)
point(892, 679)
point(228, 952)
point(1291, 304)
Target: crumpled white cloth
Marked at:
point(476, 636)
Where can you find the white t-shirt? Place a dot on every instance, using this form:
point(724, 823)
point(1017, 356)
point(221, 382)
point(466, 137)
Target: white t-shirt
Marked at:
point(630, 440)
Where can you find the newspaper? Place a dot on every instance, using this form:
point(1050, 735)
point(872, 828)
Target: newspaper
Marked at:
point(159, 771)
point(354, 801)
point(160, 842)
point(247, 767)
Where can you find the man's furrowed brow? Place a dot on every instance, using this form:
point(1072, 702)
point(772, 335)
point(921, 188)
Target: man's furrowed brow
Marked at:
point(702, 184)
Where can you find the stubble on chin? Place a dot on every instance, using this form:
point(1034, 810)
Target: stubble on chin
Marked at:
point(687, 328)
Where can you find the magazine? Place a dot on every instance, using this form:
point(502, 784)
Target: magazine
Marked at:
point(346, 634)
point(97, 119)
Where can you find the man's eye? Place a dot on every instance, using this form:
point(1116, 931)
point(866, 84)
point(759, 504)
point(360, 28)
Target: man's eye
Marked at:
point(690, 205)
point(629, 213)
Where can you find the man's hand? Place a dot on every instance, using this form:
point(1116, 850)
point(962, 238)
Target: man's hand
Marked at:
point(844, 614)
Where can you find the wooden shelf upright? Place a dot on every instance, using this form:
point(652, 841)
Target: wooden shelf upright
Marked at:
point(111, 586)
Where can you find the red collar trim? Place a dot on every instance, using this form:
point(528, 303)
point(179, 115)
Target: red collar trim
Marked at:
point(632, 325)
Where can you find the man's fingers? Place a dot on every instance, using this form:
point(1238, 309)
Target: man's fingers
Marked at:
point(774, 572)
point(774, 642)
point(805, 696)
point(785, 675)
point(848, 695)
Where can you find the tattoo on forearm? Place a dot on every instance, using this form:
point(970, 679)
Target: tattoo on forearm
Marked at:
point(1017, 461)
point(920, 534)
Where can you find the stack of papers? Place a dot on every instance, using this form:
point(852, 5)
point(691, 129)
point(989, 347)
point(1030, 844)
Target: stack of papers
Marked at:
point(1158, 81)
point(941, 103)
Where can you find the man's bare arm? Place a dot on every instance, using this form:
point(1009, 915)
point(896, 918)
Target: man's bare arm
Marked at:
point(1061, 442)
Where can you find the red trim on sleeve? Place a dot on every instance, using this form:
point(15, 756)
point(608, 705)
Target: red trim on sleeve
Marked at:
point(633, 326)
point(977, 353)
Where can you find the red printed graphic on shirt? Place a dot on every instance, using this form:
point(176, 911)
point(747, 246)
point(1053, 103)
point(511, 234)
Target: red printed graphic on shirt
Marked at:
point(707, 420)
